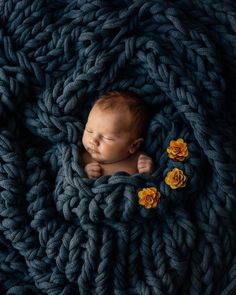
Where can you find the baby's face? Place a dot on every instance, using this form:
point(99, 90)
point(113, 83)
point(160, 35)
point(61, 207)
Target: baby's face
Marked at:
point(107, 136)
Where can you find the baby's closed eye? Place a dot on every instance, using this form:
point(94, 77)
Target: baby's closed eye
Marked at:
point(108, 138)
point(88, 130)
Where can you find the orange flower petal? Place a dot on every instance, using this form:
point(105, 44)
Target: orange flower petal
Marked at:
point(149, 197)
point(176, 178)
point(177, 150)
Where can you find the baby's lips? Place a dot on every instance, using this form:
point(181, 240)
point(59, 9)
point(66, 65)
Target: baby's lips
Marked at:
point(92, 151)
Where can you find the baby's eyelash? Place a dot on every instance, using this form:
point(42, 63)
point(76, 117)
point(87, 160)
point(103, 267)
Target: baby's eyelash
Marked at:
point(89, 131)
point(108, 138)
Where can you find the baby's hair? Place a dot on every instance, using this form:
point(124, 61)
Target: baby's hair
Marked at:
point(120, 100)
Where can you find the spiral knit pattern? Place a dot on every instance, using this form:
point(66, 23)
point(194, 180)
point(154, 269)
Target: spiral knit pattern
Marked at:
point(62, 233)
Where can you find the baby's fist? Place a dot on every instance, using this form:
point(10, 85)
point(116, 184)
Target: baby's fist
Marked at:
point(93, 170)
point(145, 164)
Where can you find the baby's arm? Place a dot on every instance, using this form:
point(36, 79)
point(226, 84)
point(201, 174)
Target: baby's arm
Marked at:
point(145, 164)
point(93, 170)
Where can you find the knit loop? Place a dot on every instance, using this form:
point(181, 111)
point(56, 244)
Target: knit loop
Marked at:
point(63, 233)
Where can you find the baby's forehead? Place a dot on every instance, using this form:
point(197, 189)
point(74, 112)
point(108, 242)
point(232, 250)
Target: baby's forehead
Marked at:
point(111, 120)
point(100, 112)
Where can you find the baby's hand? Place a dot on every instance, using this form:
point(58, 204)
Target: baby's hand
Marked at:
point(93, 170)
point(145, 164)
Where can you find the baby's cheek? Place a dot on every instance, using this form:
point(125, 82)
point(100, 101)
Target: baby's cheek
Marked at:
point(104, 149)
point(84, 141)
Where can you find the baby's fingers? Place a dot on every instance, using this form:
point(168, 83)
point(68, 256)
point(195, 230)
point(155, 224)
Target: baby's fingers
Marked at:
point(94, 167)
point(145, 163)
point(145, 166)
point(143, 157)
point(93, 170)
point(94, 174)
point(144, 170)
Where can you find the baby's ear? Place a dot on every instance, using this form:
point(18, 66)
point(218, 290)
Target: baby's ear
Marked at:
point(135, 145)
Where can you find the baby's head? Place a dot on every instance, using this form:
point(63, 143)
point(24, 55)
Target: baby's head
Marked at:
point(115, 127)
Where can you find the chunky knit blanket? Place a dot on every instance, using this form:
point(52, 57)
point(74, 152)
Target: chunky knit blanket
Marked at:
point(62, 233)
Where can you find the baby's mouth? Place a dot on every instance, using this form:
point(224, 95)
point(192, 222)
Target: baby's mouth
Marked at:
point(92, 151)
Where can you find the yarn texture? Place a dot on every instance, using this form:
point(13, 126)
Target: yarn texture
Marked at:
point(62, 233)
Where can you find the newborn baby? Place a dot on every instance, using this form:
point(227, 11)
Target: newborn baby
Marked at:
point(113, 135)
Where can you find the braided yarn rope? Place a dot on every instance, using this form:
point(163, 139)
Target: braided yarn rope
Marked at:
point(62, 233)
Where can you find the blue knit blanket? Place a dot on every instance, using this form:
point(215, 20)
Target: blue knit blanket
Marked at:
point(62, 233)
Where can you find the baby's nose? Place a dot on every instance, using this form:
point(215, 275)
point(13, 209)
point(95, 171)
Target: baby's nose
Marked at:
point(93, 141)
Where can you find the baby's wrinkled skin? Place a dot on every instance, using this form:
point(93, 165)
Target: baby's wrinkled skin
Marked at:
point(111, 146)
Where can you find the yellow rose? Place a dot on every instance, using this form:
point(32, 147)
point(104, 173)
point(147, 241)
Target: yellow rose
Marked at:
point(176, 178)
point(149, 197)
point(177, 150)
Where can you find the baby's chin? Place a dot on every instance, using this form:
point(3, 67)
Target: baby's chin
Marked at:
point(99, 159)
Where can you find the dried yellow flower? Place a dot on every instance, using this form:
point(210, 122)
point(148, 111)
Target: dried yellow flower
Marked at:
point(177, 150)
point(176, 178)
point(149, 197)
